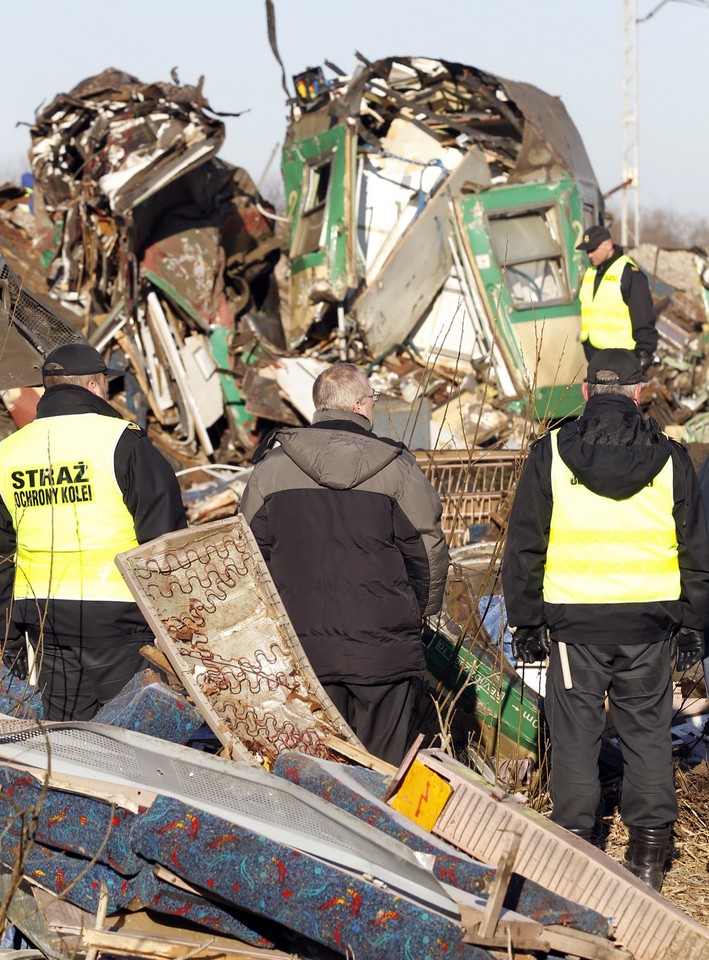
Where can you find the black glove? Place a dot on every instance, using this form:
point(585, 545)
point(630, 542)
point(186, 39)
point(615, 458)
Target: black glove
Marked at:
point(531, 644)
point(644, 359)
point(686, 647)
point(14, 658)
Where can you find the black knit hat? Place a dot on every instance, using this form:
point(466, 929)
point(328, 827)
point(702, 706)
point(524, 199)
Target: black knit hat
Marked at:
point(623, 363)
point(77, 360)
point(594, 237)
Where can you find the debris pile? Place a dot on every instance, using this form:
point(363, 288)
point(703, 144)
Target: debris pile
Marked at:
point(434, 211)
point(434, 214)
point(437, 209)
point(156, 243)
point(136, 838)
point(409, 178)
point(679, 283)
point(242, 860)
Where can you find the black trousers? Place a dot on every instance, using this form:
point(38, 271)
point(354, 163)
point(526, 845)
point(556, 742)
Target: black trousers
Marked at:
point(380, 714)
point(638, 680)
point(76, 681)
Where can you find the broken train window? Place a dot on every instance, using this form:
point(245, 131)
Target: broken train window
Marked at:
point(308, 236)
point(528, 251)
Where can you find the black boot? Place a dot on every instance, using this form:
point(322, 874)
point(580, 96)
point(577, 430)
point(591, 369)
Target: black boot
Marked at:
point(649, 853)
point(586, 833)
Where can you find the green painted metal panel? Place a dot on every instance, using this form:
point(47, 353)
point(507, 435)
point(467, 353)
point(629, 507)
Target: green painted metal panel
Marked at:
point(551, 403)
point(501, 700)
point(234, 402)
point(563, 198)
point(518, 199)
point(297, 158)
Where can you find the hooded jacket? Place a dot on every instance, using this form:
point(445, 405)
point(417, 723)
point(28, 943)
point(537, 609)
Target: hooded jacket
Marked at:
point(350, 530)
point(614, 452)
point(151, 494)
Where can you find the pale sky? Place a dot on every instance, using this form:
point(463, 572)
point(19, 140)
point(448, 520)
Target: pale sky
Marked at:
point(568, 48)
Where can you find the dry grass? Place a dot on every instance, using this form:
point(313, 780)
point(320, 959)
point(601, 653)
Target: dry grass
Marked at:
point(687, 881)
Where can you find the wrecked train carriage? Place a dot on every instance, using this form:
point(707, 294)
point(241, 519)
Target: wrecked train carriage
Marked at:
point(438, 207)
point(157, 244)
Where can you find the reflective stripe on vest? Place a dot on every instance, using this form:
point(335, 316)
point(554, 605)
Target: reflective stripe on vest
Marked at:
point(605, 319)
point(57, 480)
point(610, 551)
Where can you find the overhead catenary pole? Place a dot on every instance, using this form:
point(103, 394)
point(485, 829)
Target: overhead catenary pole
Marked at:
point(630, 182)
point(631, 190)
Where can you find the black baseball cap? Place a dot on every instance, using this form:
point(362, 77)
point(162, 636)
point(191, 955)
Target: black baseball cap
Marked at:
point(594, 237)
point(623, 363)
point(77, 360)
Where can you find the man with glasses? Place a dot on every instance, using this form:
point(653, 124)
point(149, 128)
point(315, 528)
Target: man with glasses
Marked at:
point(350, 530)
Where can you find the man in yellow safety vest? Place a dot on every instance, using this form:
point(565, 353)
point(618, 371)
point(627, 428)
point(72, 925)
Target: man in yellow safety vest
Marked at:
point(616, 304)
point(78, 485)
point(606, 570)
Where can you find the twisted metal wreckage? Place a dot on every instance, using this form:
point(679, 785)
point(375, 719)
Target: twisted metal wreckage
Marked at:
point(433, 215)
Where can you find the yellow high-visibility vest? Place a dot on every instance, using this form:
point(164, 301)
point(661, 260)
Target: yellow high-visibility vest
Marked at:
point(605, 319)
point(57, 480)
point(610, 551)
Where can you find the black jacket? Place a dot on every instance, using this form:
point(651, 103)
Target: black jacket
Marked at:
point(350, 530)
point(614, 452)
point(151, 493)
point(635, 291)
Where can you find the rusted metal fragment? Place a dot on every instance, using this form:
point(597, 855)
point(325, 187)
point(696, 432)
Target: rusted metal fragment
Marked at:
point(29, 329)
point(128, 136)
point(188, 267)
point(263, 398)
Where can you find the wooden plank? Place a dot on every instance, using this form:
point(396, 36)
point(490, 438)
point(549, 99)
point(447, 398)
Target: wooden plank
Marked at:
point(159, 661)
point(138, 933)
point(101, 912)
point(576, 943)
point(519, 934)
point(498, 888)
point(515, 936)
point(361, 756)
point(139, 946)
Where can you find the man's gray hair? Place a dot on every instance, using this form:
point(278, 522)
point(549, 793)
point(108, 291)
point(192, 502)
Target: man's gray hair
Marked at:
point(339, 387)
point(76, 380)
point(619, 389)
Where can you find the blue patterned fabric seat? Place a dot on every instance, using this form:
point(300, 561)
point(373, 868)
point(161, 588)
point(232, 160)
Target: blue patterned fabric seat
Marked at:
point(148, 705)
point(525, 896)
